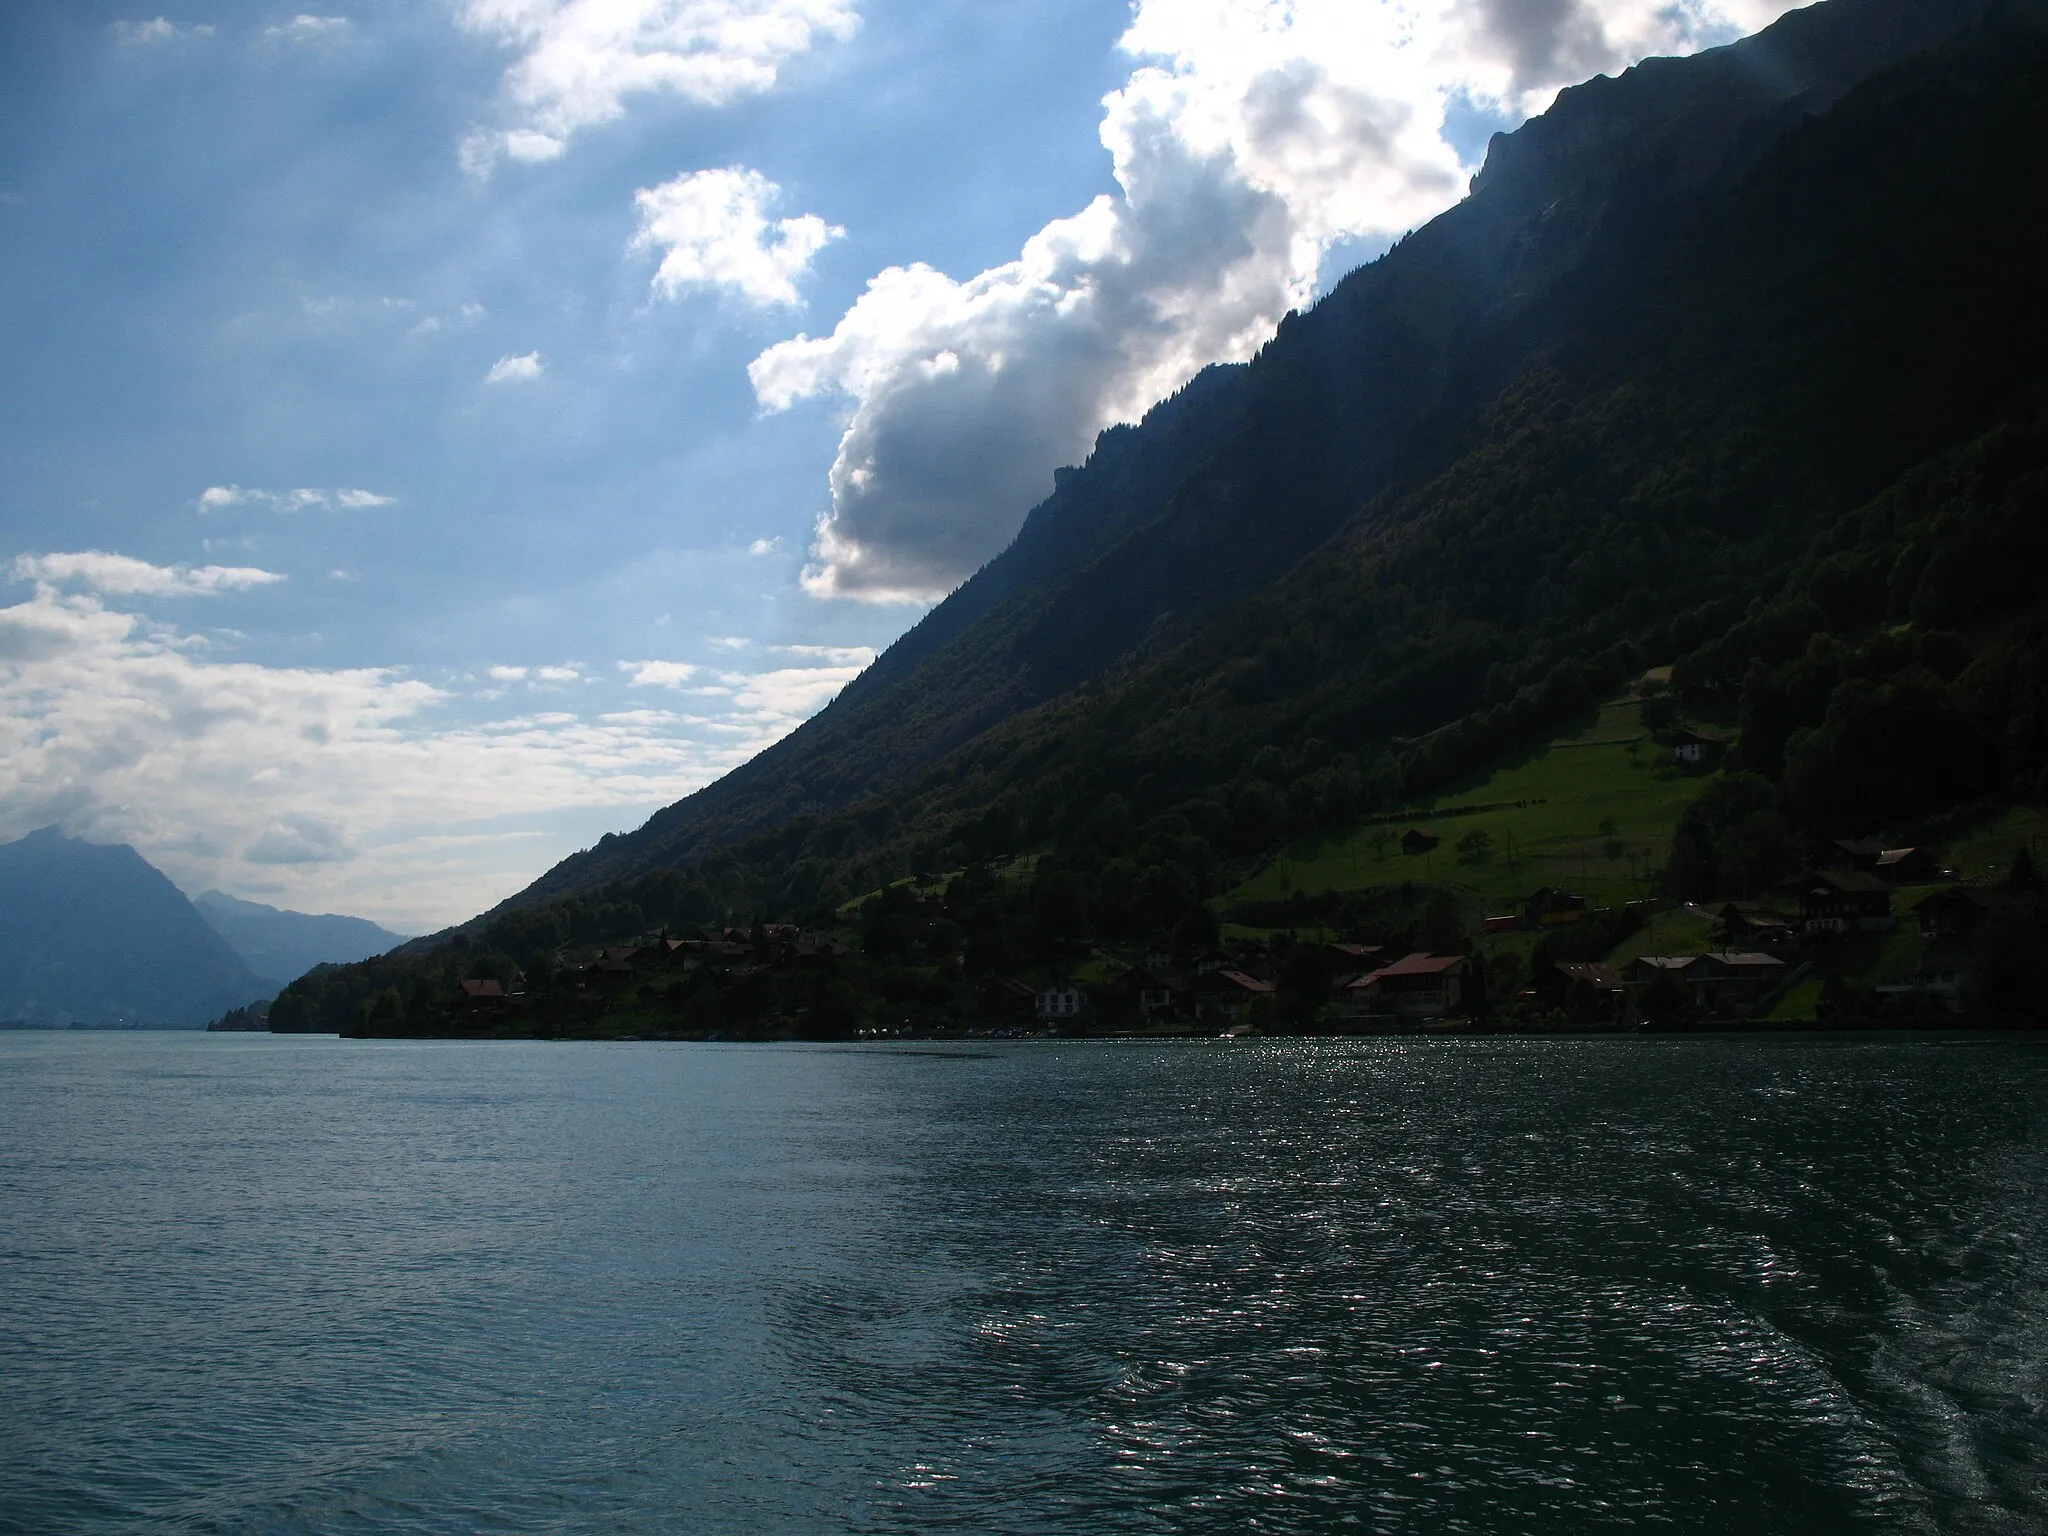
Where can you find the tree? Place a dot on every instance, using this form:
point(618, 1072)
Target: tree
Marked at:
point(2025, 874)
point(1733, 840)
point(1475, 847)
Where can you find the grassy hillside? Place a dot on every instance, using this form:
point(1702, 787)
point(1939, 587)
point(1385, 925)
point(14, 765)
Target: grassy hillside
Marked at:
point(1591, 811)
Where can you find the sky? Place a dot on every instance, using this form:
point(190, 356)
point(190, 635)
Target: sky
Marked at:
point(441, 432)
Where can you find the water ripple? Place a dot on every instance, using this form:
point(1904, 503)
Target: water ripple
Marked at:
point(1450, 1286)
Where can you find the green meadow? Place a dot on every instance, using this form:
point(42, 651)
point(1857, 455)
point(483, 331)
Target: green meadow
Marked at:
point(1592, 812)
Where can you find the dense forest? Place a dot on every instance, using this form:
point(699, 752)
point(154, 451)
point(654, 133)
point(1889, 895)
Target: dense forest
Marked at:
point(1771, 406)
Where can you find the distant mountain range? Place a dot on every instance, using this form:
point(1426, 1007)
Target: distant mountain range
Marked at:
point(288, 944)
point(92, 935)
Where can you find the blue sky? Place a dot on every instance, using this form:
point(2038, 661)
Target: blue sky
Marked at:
point(439, 433)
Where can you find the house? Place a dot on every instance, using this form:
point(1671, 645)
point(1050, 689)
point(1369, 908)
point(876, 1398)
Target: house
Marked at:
point(1726, 981)
point(1601, 987)
point(1060, 1001)
point(485, 993)
point(1232, 985)
point(1855, 853)
point(1550, 908)
point(1696, 748)
point(1018, 996)
point(1907, 866)
point(1646, 969)
point(1732, 981)
point(1151, 995)
point(1228, 990)
point(1507, 924)
point(1958, 912)
point(1420, 986)
point(1415, 842)
point(1751, 922)
point(1844, 901)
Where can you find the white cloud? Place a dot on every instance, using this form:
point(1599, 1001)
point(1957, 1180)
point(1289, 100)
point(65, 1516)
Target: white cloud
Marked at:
point(124, 576)
point(356, 789)
point(1251, 138)
point(300, 840)
point(766, 546)
point(556, 674)
point(580, 59)
point(158, 30)
point(716, 233)
point(658, 674)
point(508, 674)
point(514, 369)
point(218, 498)
point(303, 28)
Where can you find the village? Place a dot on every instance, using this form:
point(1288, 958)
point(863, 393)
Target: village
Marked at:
point(829, 979)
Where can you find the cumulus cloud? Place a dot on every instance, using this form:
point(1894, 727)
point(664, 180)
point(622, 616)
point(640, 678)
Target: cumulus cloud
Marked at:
point(515, 369)
point(124, 576)
point(658, 674)
point(714, 230)
point(580, 59)
point(357, 789)
point(1249, 140)
point(765, 546)
point(218, 498)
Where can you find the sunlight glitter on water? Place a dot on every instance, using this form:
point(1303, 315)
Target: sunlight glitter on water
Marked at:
point(308, 1285)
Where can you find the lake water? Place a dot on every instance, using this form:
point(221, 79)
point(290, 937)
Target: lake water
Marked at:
point(253, 1284)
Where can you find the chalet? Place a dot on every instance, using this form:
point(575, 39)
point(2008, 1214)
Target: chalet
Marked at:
point(1600, 988)
point(1751, 922)
point(1151, 995)
point(1421, 986)
point(1855, 853)
point(1550, 908)
point(1733, 980)
point(1696, 748)
point(1646, 969)
point(1018, 996)
point(1958, 912)
point(485, 993)
point(1726, 981)
point(1844, 901)
point(1907, 866)
point(1232, 985)
point(1415, 842)
point(1060, 1001)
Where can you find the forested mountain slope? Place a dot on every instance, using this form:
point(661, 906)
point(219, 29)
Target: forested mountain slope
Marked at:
point(1228, 485)
point(1783, 421)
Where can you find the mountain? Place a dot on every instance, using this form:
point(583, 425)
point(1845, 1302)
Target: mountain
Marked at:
point(273, 942)
point(1229, 485)
point(92, 934)
point(1736, 364)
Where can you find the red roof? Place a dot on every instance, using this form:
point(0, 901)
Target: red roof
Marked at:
point(1422, 965)
point(1249, 983)
point(486, 988)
